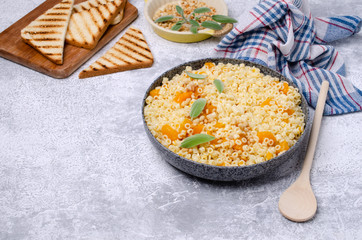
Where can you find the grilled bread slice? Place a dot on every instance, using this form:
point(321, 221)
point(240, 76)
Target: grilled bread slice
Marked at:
point(87, 27)
point(86, 5)
point(118, 18)
point(130, 52)
point(47, 33)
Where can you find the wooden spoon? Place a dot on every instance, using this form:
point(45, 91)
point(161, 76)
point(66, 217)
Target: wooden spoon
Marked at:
point(298, 202)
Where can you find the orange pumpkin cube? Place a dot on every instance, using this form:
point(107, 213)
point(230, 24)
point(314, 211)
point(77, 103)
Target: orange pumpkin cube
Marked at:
point(198, 128)
point(209, 65)
point(182, 97)
point(154, 92)
point(284, 146)
point(289, 111)
point(209, 108)
point(268, 135)
point(184, 122)
point(266, 102)
point(219, 125)
point(238, 147)
point(269, 156)
point(285, 88)
point(171, 133)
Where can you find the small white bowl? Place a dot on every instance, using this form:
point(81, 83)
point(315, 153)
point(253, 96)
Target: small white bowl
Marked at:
point(185, 37)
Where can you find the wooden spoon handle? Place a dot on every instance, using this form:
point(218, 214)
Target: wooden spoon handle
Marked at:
point(315, 131)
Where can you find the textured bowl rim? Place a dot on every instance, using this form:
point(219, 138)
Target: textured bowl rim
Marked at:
point(307, 118)
point(154, 25)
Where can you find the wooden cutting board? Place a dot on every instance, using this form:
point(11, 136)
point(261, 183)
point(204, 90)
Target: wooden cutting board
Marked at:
point(13, 48)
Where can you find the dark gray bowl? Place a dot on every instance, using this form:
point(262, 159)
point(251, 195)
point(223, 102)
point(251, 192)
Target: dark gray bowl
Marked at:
point(230, 173)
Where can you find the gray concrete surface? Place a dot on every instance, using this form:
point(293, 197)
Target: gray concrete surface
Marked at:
point(75, 162)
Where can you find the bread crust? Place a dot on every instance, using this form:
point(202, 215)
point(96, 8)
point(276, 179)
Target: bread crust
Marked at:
point(88, 74)
point(118, 18)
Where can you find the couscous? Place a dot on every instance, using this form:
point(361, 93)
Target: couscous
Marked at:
point(247, 116)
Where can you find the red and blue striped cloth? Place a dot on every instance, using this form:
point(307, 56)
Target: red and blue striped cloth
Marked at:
point(283, 35)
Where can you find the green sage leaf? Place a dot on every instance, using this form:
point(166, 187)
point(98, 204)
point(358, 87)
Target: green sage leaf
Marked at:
point(196, 139)
point(223, 19)
point(179, 10)
point(202, 10)
point(219, 85)
point(195, 76)
point(194, 23)
point(193, 29)
point(197, 107)
point(212, 25)
point(164, 18)
point(176, 27)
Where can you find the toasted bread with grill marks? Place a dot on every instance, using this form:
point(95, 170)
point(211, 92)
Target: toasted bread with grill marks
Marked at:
point(118, 18)
point(86, 5)
point(47, 33)
point(87, 27)
point(130, 52)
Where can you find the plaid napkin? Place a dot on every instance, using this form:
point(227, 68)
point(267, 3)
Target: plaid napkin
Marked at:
point(282, 35)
